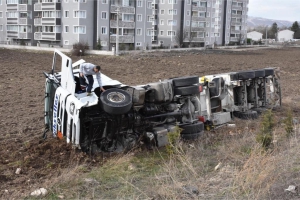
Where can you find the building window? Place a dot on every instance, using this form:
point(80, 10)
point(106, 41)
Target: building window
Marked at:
point(216, 34)
point(162, 12)
point(139, 4)
point(188, 12)
point(79, 14)
point(149, 4)
point(149, 18)
point(1, 27)
point(66, 42)
point(161, 42)
point(202, 14)
point(172, 22)
point(80, 29)
point(1, 15)
point(12, 1)
point(188, 2)
point(161, 22)
point(66, 29)
point(207, 34)
point(0, 2)
point(172, 12)
point(187, 23)
point(104, 1)
point(161, 33)
point(51, 14)
point(203, 4)
point(128, 17)
point(139, 31)
point(171, 33)
point(138, 44)
point(139, 18)
point(162, 1)
point(66, 14)
point(103, 30)
point(103, 15)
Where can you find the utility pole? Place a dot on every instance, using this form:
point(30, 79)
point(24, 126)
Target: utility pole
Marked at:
point(117, 37)
point(267, 35)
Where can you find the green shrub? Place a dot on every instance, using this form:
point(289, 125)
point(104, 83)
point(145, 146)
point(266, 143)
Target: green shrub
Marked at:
point(173, 138)
point(79, 48)
point(131, 47)
point(122, 47)
point(265, 136)
point(99, 46)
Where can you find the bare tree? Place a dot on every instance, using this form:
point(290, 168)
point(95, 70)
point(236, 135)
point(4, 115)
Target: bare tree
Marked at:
point(180, 37)
point(191, 37)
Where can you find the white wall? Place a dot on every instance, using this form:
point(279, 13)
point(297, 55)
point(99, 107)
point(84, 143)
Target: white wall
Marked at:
point(285, 35)
point(254, 35)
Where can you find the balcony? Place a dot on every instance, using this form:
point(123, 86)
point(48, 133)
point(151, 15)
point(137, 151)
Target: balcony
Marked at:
point(198, 28)
point(196, 8)
point(23, 21)
point(122, 24)
point(23, 7)
point(234, 39)
point(38, 21)
point(236, 23)
point(127, 10)
point(236, 8)
point(196, 39)
point(236, 15)
point(12, 21)
point(235, 31)
point(197, 18)
point(47, 36)
point(24, 35)
point(38, 7)
point(122, 39)
point(11, 7)
point(47, 6)
point(12, 34)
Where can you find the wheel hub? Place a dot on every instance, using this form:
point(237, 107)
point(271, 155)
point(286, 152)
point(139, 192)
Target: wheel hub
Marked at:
point(116, 97)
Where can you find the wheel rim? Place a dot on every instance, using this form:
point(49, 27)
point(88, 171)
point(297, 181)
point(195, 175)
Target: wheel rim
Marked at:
point(116, 97)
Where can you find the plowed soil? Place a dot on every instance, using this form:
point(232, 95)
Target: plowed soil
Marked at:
point(22, 99)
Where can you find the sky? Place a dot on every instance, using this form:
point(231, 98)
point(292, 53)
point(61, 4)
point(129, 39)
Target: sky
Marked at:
point(275, 9)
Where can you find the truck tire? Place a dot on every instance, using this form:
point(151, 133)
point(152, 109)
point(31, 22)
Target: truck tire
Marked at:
point(187, 90)
point(269, 71)
point(115, 101)
point(250, 114)
point(245, 75)
point(259, 73)
point(192, 136)
point(185, 81)
point(192, 128)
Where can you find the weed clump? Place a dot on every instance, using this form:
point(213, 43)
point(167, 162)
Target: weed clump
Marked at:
point(173, 138)
point(79, 48)
point(267, 125)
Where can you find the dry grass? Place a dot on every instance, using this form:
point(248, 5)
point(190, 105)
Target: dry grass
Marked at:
point(245, 170)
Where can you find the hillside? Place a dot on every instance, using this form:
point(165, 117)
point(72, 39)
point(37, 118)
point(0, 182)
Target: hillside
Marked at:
point(258, 21)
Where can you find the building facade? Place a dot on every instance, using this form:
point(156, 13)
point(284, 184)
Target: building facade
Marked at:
point(142, 24)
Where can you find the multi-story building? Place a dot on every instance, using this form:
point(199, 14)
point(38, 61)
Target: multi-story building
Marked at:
point(142, 23)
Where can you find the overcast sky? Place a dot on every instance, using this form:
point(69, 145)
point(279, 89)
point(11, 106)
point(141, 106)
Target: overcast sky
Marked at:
point(275, 9)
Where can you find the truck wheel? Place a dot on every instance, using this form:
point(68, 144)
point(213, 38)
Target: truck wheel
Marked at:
point(192, 128)
point(192, 136)
point(259, 73)
point(115, 101)
point(250, 114)
point(269, 71)
point(187, 90)
point(185, 81)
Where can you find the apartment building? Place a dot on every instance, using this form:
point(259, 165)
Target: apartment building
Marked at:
point(142, 23)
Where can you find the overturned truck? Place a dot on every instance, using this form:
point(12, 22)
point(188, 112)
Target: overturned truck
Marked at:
point(123, 116)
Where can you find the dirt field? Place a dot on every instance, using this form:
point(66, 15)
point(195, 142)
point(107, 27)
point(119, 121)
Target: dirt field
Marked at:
point(22, 95)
